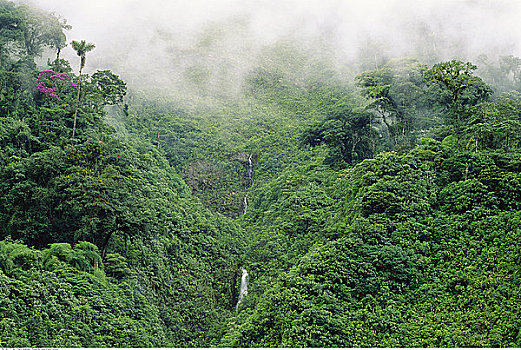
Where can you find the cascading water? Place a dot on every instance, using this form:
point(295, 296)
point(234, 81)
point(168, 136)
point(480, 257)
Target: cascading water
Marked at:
point(245, 205)
point(250, 170)
point(250, 182)
point(244, 277)
point(244, 287)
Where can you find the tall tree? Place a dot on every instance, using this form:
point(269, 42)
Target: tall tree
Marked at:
point(460, 88)
point(81, 48)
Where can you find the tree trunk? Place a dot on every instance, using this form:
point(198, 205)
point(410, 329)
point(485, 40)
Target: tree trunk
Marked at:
point(389, 130)
point(77, 106)
point(105, 244)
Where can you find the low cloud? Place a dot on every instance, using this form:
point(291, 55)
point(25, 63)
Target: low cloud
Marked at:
point(167, 41)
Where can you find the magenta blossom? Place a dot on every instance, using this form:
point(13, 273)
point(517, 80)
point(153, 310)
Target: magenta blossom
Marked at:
point(45, 73)
point(52, 84)
point(61, 76)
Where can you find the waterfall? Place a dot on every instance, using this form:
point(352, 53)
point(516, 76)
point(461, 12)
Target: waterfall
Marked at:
point(248, 185)
point(244, 204)
point(250, 170)
point(244, 287)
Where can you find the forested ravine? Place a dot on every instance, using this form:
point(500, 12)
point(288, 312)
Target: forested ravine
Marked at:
point(321, 202)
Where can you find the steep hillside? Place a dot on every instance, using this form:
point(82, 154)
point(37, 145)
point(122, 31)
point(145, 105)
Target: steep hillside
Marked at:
point(420, 253)
point(307, 202)
point(103, 244)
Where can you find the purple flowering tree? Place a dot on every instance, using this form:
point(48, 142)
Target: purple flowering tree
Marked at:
point(52, 84)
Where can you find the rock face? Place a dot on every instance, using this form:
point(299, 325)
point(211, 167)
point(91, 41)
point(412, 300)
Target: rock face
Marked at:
point(240, 157)
point(202, 175)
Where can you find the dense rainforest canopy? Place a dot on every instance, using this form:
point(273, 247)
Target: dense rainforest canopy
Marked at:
point(375, 208)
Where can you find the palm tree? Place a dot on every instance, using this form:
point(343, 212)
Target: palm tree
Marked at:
point(81, 49)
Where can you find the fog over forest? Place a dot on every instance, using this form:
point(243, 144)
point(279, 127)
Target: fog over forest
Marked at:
point(260, 173)
point(157, 41)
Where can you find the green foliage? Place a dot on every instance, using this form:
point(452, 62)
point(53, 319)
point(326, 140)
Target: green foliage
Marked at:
point(495, 126)
point(502, 74)
point(347, 134)
point(111, 88)
point(415, 242)
point(111, 250)
point(457, 89)
point(81, 48)
point(26, 31)
point(358, 231)
point(341, 257)
point(397, 92)
point(51, 302)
